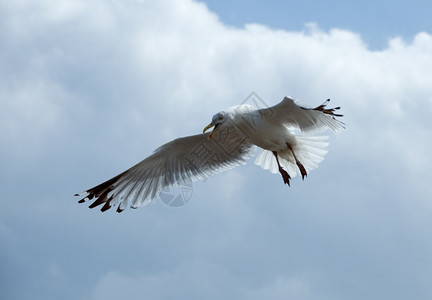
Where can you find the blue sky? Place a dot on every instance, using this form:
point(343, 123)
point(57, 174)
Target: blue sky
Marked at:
point(376, 21)
point(87, 89)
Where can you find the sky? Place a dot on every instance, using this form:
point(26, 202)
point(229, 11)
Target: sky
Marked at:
point(89, 88)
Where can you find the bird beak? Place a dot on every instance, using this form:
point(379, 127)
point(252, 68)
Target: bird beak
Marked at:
point(208, 127)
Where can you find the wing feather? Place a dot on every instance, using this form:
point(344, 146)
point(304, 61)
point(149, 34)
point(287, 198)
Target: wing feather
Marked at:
point(306, 119)
point(179, 161)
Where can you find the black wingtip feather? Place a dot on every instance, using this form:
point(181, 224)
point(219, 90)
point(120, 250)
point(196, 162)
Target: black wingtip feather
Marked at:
point(102, 199)
point(106, 206)
point(329, 111)
point(100, 193)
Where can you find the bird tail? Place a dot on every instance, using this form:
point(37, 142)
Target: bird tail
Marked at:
point(309, 150)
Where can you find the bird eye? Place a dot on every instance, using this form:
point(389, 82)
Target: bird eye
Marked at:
point(220, 118)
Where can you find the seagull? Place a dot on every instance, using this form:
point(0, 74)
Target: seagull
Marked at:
point(287, 134)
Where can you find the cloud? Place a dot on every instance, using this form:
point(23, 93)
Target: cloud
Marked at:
point(88, 89)
point(206, 279)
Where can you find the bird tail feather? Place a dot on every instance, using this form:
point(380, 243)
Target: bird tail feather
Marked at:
point(309, 150)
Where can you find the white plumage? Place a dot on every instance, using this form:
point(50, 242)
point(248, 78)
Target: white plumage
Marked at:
point(286, 133)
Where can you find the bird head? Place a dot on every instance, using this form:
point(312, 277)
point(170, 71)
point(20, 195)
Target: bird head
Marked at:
point(217, 120)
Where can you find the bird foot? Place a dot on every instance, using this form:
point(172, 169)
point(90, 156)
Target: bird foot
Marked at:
point(285, 176)
point(302, 169)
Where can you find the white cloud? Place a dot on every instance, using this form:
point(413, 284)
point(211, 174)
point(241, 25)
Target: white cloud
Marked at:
point(283, 288)
point(176, 60)
point(204, 279)
point(92, 87)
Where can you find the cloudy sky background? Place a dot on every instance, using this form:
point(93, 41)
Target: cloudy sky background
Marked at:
point(89, 88)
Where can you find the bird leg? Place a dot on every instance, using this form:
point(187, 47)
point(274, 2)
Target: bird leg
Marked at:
point(285, 176)
point(302, 169)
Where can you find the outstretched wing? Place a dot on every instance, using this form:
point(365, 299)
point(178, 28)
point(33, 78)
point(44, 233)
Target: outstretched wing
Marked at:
point(306, 119)
point(179, 161)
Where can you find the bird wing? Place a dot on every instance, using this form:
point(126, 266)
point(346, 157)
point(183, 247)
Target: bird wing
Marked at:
point(179, 161)
point(306, 119)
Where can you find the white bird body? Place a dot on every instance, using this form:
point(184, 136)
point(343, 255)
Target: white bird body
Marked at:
point(260, 131)
point(236, 131)
point(275, 136)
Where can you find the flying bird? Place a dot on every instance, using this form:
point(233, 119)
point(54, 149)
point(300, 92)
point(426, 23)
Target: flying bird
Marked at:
point(287, 134)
